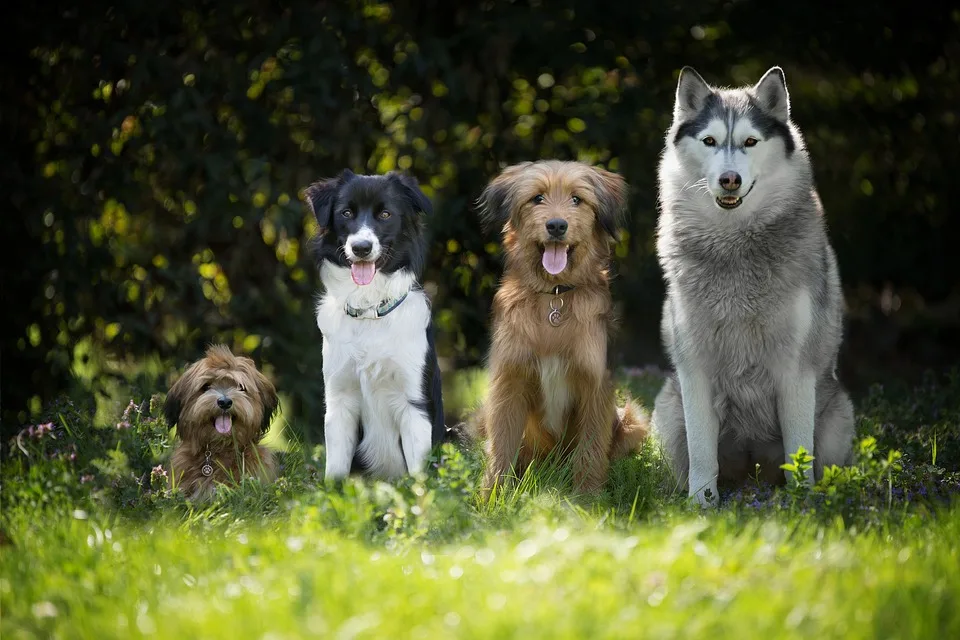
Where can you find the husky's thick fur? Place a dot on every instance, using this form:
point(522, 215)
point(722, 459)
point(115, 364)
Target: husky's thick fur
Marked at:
point(752, 319)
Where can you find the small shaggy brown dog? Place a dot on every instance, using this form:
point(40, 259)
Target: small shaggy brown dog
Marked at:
point(549, 383)
point(222, 406)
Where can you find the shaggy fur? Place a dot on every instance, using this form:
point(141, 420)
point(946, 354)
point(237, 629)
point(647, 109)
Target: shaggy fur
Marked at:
point(218, 387)
point(549, 385)
point(753, 316)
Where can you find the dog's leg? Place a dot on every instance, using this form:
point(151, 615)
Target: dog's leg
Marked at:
point(341, 422)
point(506, 410)
point(593, 414)
point(796, 406)
point(671, 432)
point(415, 437)
point(835, 428)
point(703, 432)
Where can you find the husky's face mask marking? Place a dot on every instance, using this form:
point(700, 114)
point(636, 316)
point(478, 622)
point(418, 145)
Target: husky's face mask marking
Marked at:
point(729, 138)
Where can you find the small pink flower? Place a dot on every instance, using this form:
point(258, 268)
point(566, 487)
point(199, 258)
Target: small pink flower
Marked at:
point(130, 407)
point(123, 424)
point(84, 479)
point(158, 477)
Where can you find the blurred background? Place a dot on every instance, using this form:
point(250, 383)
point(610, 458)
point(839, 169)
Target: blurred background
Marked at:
point(156, 151)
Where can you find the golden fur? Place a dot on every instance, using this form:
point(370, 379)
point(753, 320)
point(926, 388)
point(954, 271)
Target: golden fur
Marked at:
point(513, 418)
point(192, 406)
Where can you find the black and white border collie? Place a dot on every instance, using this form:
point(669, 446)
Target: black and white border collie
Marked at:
point(384, 410)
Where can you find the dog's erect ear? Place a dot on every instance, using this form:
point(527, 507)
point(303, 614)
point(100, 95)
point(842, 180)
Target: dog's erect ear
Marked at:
point(411, 192)
point(319, 196)
point(772, 94)
point(692, 93)
point(611, 191)
point(496, 203)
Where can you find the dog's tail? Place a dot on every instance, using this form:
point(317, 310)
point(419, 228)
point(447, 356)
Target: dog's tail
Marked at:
point(467, 433)
point(630, 429)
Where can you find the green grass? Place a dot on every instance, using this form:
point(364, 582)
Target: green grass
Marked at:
point(89, 552)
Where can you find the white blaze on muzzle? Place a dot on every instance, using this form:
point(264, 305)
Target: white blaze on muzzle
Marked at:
point(363, 268)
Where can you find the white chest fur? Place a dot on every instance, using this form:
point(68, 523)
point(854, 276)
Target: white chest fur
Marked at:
point(369, 345)
point(556, 394)
point(373, 373)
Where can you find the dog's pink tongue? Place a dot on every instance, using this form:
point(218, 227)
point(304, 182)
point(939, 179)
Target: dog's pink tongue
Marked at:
point(362, 272)
point(223, 423)
point(555, 258)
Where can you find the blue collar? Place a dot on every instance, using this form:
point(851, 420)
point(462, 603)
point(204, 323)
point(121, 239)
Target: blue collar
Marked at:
point(377, 312)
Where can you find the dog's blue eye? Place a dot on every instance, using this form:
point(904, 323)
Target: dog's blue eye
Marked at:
point(538, 199)
point(346, 213)
point(576, 201)
point(750, 142)
point(384, 215)
point(709, 141)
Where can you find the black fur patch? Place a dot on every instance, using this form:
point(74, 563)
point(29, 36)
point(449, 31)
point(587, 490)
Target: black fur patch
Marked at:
point(720, 106)
point(401, 236)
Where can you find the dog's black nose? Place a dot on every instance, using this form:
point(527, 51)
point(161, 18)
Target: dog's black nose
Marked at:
point(557, 227)
point(224, 403)
point(361, 248)
point(730, 180)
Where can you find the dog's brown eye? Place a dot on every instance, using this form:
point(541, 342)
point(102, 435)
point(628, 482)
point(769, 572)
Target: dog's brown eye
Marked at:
point(241, 388)
point(709, 141)
point(750, 142)
point(384, 215)
point(347, 213)
point(538, 199)
point(576, 201)
point(205, 387)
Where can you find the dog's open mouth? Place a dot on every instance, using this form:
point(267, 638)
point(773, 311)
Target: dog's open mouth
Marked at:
point(732, 202)
point(223, 423)
point(362, 272)
point(729, 202)
point(555, 255)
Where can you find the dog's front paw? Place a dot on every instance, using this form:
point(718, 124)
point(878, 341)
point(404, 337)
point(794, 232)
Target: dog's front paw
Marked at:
point(707, 497)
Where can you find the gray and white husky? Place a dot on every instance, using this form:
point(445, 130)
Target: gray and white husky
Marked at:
point(753, 315)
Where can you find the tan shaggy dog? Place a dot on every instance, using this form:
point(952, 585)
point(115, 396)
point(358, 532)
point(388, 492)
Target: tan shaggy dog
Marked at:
point(549, 383)
point(222, 406)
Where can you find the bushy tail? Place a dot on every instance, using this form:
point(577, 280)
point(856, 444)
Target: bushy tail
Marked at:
point(631, 428)
point(466, 434)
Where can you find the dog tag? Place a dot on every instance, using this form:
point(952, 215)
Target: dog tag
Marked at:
point(207, 468)
point(554, 316)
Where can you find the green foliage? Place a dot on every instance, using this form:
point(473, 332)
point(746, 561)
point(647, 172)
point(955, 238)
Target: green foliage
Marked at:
point(159, 151)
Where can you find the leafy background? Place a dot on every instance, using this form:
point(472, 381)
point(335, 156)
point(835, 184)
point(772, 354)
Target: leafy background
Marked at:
point(155, 152)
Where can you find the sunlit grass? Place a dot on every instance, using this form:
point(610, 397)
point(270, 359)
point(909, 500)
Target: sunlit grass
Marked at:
point(104, 557)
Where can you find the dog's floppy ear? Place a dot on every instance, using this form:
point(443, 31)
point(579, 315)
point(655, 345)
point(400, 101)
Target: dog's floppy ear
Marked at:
point(411, 191)
point(270, 400)
point(611, 192)
point(692, 93)
point(265, 391)
point(771, 92)
point(319, 196)
point(177, 396)
point(496, 203)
